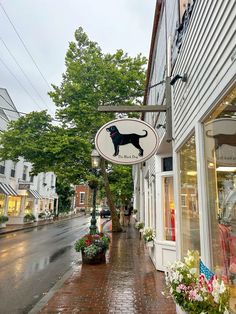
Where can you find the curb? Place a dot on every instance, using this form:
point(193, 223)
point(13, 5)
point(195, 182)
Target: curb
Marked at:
point(42, 302)
point(35, 226)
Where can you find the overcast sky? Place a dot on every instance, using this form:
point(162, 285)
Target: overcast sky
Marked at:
point(47, 26)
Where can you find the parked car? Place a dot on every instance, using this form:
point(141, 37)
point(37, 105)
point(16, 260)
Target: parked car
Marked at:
point(105, 212)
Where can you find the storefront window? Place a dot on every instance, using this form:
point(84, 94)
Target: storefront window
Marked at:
point(190, 233)
point(220, 151)
point(14, 205)
point(2, 204)
point(29, 206)
point(169, 210)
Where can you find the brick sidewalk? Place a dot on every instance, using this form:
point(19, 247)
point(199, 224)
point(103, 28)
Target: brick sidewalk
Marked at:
point(128, 283)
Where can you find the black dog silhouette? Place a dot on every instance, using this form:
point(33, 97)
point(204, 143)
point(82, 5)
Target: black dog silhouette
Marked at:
point(123, 139)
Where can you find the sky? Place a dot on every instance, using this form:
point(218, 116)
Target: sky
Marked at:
point(35, 34)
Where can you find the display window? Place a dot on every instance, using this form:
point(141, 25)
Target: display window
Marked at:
point(29, 206)
point(14, 205)
point(190, 232)
point(2, 204)
point(169, 210)
point(220, 152)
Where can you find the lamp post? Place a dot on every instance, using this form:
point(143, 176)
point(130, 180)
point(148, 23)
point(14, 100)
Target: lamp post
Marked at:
point(93, 184)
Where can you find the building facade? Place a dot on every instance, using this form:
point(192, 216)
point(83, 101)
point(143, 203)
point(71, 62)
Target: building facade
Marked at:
point(187, 192)
point(21, 193)
point(82, 198)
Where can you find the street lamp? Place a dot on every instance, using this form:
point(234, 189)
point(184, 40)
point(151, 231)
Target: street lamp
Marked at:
point(93, 184)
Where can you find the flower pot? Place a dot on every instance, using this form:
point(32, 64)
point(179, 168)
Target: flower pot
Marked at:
point(179, 310)
point(99, 258)
point(2, 225)
point(149, 244)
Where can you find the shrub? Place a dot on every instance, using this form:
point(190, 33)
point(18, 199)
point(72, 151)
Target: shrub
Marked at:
point(3, 219)
point(42, 215)
point(29, 217)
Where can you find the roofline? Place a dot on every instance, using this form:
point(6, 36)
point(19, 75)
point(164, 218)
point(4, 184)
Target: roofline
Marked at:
point(153, 40)
point(12, 103)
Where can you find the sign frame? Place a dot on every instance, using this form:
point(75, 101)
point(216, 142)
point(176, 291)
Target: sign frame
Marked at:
point(140, 154)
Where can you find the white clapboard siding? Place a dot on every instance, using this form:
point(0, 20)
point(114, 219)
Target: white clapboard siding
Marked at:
point(206, 57)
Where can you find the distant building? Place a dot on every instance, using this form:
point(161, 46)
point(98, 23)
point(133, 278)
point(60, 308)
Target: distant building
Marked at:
point(82, 198)
point(21, 193)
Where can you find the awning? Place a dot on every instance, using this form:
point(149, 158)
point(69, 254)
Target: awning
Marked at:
point(34, 193)
point(7, 189)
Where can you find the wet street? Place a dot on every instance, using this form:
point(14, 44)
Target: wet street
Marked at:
point(32, 261)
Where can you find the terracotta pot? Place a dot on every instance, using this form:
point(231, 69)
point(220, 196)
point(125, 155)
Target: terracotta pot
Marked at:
point(99, 258)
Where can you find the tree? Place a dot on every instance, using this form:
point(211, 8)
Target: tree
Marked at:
point(91, 79)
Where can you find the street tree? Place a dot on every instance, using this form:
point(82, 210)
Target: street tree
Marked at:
point(92, 78)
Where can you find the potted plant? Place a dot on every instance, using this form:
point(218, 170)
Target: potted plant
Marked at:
point(93, 248)
point(29, 217)
point(3, 220)
point(149, 236)
point(193, 292)
point(139, 225)
point(42, 215)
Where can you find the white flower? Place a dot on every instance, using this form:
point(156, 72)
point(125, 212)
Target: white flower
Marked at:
point(193, 271)
point(222, 288)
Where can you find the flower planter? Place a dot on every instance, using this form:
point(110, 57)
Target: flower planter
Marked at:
point(149, 244)
point(179, 310)
point(3, 225)
point(99, 258)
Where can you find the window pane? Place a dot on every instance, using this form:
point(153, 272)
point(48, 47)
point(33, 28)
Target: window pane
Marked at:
point(190, 233)
point(220, 150)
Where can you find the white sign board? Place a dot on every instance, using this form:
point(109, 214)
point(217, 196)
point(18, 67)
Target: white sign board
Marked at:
point(126, 141)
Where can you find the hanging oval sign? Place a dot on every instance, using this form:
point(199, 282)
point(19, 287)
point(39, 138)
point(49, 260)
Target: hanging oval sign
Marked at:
point(126, 141)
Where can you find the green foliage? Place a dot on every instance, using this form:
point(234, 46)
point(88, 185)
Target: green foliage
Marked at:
point(193, 292)
point(29, 217)
point(139, 225)
point(91, 79)
point(3, 219)
point(91, 244)
point(148, 234)
point(121, 183)
point(65, 193)
point(42, 215)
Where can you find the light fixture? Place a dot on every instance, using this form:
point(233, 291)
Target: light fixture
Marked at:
point(178, 77)
point(95, 159)
point(191, 173)
point(93, 184)
point(161, 126)
point(226, 169)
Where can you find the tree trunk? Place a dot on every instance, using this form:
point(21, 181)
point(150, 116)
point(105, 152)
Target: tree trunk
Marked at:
point(116, 227)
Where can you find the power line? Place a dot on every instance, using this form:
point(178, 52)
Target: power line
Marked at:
point(12, 110)
point(26, 76)
point(22, 86)
point(24, 45)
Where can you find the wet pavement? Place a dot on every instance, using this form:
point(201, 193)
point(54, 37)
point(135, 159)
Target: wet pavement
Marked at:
point(127, 283)
point(34, 259)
